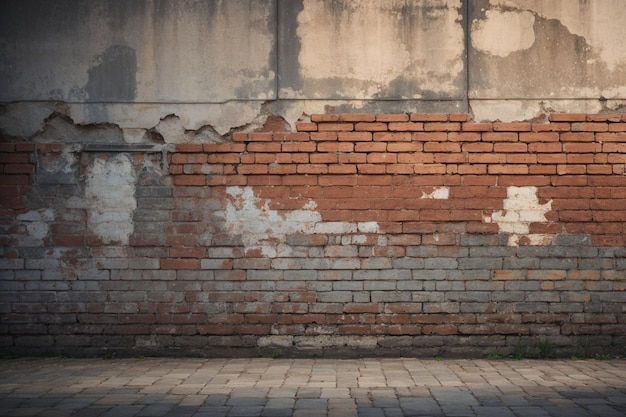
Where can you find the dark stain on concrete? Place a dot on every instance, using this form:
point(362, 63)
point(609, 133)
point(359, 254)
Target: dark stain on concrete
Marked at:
point(114, 78)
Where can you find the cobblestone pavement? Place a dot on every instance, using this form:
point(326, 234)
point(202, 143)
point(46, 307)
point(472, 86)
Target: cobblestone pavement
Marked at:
point(152, 387)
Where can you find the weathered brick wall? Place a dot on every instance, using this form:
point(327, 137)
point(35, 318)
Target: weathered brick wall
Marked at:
point(420, 234)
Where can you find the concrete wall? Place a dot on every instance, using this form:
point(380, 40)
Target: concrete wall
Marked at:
point(228, 65)
point(377, 177)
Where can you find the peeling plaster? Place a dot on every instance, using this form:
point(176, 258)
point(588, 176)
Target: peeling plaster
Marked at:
point(521, 209)
point(109, 198)
point(36, 224)
point(600, 22)
point(264, 229)
point(501, 33)
point(439, 193)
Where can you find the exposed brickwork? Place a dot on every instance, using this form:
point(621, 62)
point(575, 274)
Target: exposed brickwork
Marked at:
point(359, 233)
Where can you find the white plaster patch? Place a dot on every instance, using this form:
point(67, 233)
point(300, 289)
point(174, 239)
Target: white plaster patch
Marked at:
point(502, 33)
point(368, 227)
point(439, 193)
point(36, 223)
point(264, 229)
point(600, 22)
point(110, 199)
point(521, 208)
point(260, 227)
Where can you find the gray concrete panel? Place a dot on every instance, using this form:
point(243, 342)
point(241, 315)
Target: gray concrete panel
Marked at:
point(372, 50)
point(137, 51)
point(543, 56)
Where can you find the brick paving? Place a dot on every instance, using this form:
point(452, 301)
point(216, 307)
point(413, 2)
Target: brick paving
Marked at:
point(154, 387)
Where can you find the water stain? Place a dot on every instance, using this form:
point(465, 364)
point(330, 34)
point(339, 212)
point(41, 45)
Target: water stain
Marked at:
point(114, 78)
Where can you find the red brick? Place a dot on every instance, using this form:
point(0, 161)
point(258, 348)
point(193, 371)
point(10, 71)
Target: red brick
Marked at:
point(321, 136)
point(568, 117)
point(335, 147)
point(382, 158)
point(240, 137)
point(352, 158)
point(188, 147)
point(371, 147)
point(406, 126)
point(342, 169)
point(511, 127)
point(542, 169)
point(335, 180)
point(335, 127)
point(356, 117)
point(539, 137)
point(260, 136)
point(500, 136)
point(325, 117)
point(355, 136)
point(197, 180)
point(19, 169)
point(464, 136)
point(362, 308)
point(507, 169)
point(458, 117)
point(312, 168)
point(442, 127)
point(604, 117)
point(323, 158)
point(189, 158)
point(224, 147)
point(611, 137)
point(545, 147)
point(371, 127)
point(582, 147)
point(173, 263)
point(518, 158)
point(617, 127)
point(402, 117)
point(551, 127)
point(14, 158)
point(67, 240)
point(223, 158)
point(478, 147)
point(551, 158)
point(306, 127)
point(430, 136)
point(590, 127)
point(25, 147)
point(477, 127)
point(426, 169)
point(485, 158)
point(392, 136)
point(429, 117)
point(577, 137)
point(264, 147)
point(442, 147)
point(406, 147)
point(440, 329)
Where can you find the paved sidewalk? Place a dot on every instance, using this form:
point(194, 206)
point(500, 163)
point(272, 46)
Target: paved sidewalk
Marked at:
point(56, 387)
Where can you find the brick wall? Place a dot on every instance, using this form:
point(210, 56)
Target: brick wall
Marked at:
point(420, 234)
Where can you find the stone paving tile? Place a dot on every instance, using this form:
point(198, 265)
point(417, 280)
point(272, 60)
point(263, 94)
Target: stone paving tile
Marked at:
point(262, 387)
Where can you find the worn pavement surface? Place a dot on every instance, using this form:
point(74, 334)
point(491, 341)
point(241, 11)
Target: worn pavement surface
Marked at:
point(152, 387)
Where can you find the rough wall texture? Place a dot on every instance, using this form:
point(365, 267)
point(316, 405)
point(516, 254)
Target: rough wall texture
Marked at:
point(224, 66)
point(376, 234)
point(312, 176)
